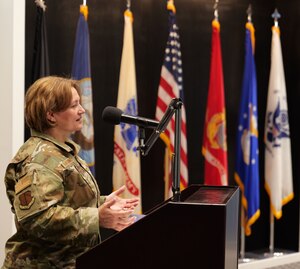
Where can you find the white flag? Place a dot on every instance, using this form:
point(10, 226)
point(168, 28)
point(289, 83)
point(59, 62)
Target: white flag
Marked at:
point(126, 168)
point(278, 162)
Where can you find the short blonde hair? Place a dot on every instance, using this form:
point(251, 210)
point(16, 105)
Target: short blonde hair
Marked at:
point(47, 94)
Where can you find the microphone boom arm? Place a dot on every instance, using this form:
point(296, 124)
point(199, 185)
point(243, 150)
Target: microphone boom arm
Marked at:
point(174, 107)
point(161, 126)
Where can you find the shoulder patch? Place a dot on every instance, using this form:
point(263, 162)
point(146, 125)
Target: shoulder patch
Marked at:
point(23, 184)
point(26, 200)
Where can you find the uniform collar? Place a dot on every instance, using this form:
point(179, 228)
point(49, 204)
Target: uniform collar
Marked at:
point(68, 146)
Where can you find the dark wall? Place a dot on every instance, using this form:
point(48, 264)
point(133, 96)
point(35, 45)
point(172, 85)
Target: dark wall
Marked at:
point(150, 32)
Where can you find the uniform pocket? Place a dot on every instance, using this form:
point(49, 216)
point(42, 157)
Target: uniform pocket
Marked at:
point(77, 186)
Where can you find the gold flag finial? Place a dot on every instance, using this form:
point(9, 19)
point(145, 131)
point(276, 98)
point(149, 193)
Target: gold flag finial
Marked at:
point(171, 6)
point(85, 11)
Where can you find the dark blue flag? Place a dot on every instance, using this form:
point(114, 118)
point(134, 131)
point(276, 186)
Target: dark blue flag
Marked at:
point(81, 70)
point(40, 63)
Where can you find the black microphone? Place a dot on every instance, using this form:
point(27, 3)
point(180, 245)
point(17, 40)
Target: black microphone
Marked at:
point(115, 116)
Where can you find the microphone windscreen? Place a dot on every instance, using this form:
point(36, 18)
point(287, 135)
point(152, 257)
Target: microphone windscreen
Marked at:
point(112, 114)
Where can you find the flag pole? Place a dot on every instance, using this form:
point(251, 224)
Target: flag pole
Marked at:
point(216, 12)
point(128, 4)
point(271, 245)
point(242, 250)
point(275, 15)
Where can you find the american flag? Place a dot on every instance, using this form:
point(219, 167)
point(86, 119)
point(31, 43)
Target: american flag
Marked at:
point(171, 86)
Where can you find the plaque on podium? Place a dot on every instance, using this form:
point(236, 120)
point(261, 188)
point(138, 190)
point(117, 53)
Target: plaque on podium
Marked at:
point(201, 230)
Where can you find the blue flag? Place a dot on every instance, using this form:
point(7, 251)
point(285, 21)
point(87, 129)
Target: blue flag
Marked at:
point(247, 156)
point(81, 70)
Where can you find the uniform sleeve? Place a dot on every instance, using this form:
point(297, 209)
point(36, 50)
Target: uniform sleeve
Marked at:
point(40, 210)
point(102, 199)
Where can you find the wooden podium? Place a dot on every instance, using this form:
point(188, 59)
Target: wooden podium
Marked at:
point(201, 230)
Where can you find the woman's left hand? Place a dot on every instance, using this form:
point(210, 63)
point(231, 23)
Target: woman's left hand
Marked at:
point(121, 203)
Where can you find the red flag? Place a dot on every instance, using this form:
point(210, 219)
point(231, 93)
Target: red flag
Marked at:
point(214, 147)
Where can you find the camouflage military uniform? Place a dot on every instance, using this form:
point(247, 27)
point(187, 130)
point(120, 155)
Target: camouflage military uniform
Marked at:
point(54, 198)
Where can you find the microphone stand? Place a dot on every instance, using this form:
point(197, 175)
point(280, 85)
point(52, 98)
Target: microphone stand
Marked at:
point(176, 155)
point(174, 107)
